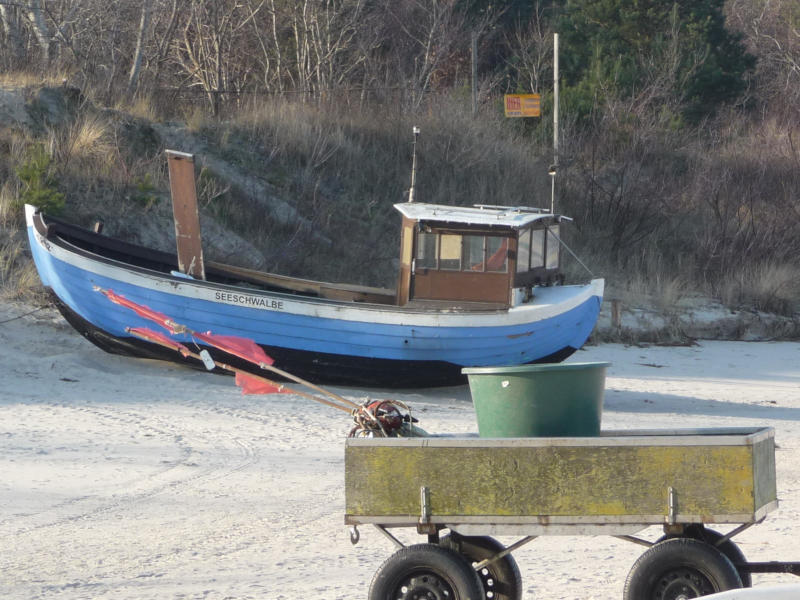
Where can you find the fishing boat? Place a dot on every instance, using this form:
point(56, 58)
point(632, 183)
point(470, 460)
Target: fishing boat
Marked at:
point(477, 286)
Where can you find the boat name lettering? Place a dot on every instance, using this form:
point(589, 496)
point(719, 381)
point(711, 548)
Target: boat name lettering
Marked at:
point(249, 300)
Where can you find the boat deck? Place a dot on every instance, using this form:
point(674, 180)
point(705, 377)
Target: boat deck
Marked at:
point(457, 306)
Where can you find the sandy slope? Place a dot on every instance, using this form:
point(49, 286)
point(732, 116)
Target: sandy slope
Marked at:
point(131, 479)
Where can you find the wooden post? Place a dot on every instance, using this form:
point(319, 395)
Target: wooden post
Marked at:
point(616, 313)
point(184, 210)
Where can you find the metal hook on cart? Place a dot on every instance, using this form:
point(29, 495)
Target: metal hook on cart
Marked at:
point(354, 535)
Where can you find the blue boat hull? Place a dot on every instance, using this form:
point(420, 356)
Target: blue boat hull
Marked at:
point(318, 339)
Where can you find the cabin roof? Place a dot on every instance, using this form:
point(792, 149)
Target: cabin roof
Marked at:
point(481, 214)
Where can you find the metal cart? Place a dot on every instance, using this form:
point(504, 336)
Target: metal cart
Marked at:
point(618, 484)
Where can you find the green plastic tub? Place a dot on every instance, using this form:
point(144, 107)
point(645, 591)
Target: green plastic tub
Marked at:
point(542, 400)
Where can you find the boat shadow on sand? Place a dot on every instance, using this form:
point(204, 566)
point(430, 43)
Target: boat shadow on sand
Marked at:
point(655, 403)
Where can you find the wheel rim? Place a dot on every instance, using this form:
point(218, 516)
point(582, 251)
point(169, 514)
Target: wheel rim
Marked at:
point(488, 581)
point(424, 586)
point(682, 584)
point(500, 578)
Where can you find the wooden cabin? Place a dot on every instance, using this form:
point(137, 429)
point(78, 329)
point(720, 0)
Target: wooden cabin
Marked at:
point(484, 254)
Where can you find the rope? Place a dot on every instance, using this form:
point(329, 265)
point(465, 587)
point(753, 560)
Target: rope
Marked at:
point(380, 418)
point(575, 256)
point(23, 315)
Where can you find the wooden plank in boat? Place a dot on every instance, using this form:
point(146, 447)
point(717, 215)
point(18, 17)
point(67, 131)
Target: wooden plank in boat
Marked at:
point(323, 290)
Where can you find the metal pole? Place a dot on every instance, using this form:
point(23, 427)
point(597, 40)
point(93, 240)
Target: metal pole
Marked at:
point(413, 166)
point(555, 122)
point(474, 73)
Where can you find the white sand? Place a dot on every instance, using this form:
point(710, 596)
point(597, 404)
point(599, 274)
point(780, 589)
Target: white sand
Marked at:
point(131, 479)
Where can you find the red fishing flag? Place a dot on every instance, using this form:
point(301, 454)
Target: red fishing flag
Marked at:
point(159, 338)
point(251, 384)
point(244, 348)
point(140, 309)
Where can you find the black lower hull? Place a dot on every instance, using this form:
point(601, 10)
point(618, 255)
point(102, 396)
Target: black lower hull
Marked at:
point(317, 367)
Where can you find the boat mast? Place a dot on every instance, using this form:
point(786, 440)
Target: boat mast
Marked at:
point(554, 168)
point(413, 166)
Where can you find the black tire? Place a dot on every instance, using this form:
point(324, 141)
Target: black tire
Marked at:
point(728, 548)
point(501, 580)
point(680, 568)
point(426, 571)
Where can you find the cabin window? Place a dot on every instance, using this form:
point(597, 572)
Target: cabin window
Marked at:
point(426, 250)
point(472, 246)
point(455, 252)
point(523, 250)
point(537, 248)
point(553, 247)
point(496, 254)
point(450, 252)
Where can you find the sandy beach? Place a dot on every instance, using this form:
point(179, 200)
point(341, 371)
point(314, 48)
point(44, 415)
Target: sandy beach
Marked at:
point(134, 479)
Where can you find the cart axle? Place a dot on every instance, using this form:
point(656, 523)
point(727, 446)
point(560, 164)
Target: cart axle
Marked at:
point(773, 566)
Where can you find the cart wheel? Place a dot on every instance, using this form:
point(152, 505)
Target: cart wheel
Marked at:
point(728, 548)
point(425, 572)
point(501, 579)
point(678, 569)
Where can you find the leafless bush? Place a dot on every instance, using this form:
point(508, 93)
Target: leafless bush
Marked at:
point(744, 190)
point(771, 32)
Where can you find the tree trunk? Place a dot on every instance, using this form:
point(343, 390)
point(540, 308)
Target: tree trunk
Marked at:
point(42, 31)
point(11, 28)
point(144, 26)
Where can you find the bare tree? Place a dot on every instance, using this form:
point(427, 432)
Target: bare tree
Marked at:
point(429, 35)
point(302, 46)
point(531, 51)
point(334, 25)
point(771, 32)
point(211, 52)
point(270, 43)
point(164, 25)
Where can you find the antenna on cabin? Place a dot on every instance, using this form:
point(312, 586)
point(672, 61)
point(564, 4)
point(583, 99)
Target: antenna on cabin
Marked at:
point(413, 166)
point(554, 169)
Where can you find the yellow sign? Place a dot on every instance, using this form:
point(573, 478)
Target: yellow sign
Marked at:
point(522, 105)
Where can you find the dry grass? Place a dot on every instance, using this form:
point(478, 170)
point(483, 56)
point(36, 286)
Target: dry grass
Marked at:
point(22, 79)
point(25, 285)
point(142, 107)
point(10, 251)
point(768, 287)
point(197, 119)
point(10, 214)
point(648, 281)
point(18, 277)
point(298, 129)
point(90, 138)
point(667, 291)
